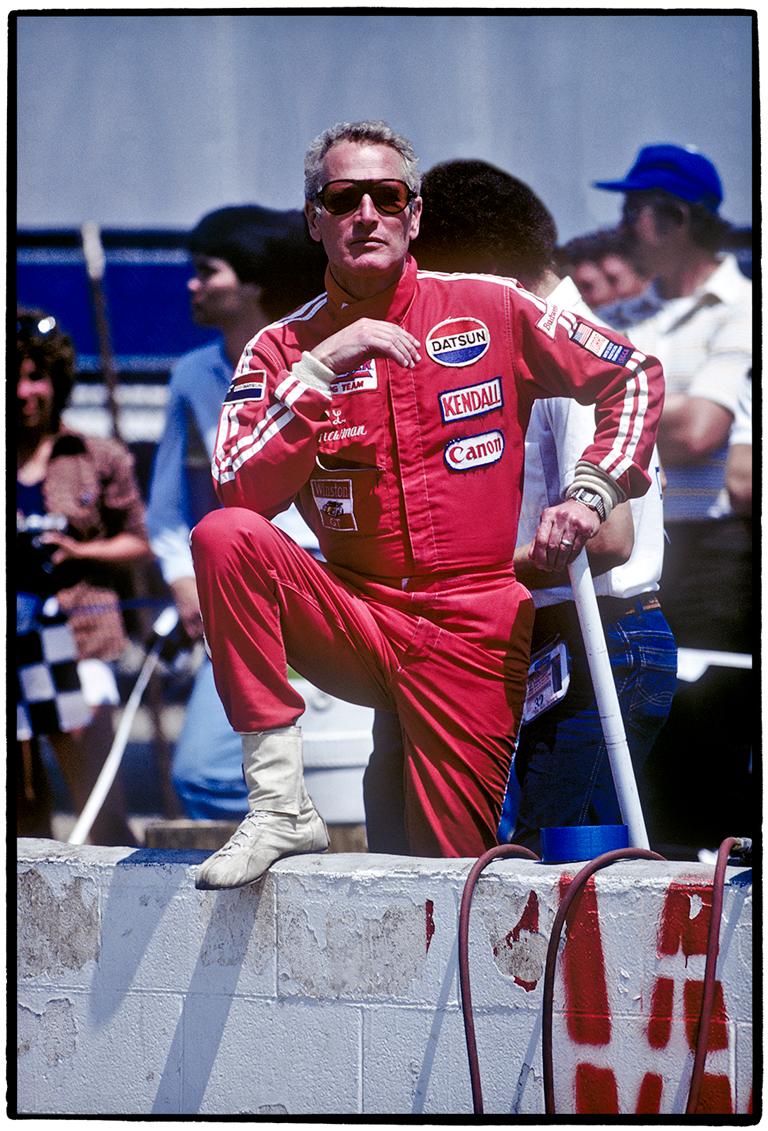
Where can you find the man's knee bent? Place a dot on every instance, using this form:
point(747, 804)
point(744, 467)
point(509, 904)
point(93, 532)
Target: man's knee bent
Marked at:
point(226, 533)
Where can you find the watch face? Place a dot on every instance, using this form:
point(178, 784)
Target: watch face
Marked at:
point(592, 500)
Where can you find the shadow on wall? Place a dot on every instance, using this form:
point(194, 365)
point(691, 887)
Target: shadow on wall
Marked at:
point(152, 955)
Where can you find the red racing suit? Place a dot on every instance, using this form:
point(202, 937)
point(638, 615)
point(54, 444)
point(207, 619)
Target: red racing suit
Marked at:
point(412, 482)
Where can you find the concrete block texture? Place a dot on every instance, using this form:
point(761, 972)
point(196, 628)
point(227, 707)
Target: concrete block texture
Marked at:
point(331, 987)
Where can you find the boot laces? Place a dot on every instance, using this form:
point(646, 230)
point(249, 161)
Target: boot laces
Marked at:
point(245, 831)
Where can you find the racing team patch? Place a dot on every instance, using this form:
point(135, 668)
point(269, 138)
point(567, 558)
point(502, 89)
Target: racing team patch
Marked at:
point(334, 500)
point(458, 341)
point(606, 349)
point(356, 381)
point(250, 386)
point(474, 451)
point(472, 400)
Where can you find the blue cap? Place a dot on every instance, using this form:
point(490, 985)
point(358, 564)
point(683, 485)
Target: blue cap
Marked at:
point(676, 169)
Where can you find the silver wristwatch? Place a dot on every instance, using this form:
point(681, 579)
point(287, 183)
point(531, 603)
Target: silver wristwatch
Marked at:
point(592, 499)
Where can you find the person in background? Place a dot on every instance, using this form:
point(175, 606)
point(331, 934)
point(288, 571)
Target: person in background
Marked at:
point(601, 265)
point(738, 467)
point(393, 407)
point(252, 265)
point(79, 518)
point(703, 334)
point(480, 218)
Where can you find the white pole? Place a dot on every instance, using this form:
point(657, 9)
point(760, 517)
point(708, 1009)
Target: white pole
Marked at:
point(607, 700)
point(164, 624)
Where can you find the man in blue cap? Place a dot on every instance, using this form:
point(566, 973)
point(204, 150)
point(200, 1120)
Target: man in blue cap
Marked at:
point(701, 329)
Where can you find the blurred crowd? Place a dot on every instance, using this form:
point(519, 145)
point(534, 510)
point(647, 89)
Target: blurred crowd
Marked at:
point(672, 274)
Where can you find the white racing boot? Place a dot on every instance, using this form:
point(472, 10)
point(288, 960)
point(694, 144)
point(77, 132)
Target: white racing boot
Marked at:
point(282, 820)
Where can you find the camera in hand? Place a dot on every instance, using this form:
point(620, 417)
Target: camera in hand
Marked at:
point(36, 569)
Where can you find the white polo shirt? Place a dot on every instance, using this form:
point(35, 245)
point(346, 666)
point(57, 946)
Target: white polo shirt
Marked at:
point(559, 431)
point(704, 342)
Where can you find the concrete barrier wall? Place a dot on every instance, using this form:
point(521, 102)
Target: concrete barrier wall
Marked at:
point(331, 988)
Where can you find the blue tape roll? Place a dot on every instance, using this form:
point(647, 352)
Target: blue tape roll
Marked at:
point(567, 844)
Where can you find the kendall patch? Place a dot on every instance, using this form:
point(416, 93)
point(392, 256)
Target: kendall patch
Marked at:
point(249, 386)
point(601, 346)
point(356, 381)
point(334, 501)
point(474, 451)
point(472, 400)
point(458, 341)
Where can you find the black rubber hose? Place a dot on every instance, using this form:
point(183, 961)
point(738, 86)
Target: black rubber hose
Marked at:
point(466, 994)
point(710, 969)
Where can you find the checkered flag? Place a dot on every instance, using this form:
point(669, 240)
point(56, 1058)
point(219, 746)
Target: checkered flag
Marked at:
point(49, 694)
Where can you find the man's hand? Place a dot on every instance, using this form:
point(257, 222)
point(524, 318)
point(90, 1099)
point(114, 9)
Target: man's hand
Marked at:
point(368, 337)
point(562, 534)
point(184, 592)
point(67, 548)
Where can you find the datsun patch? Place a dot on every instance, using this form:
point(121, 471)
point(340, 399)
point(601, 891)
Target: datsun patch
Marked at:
point(600, 345)
point(250, 386)
point(458, 341)
point(472, 452)
point(335, 502)
point(472, 400)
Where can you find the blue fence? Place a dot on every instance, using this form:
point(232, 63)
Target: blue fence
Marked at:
point(145, 287)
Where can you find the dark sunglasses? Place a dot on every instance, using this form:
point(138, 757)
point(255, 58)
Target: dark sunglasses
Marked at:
point(634, 206)
point(389, 197)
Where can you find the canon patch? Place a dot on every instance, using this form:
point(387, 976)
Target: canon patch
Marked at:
point(474, 451)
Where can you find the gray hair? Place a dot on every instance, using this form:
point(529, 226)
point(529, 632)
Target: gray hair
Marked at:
point(376, 133)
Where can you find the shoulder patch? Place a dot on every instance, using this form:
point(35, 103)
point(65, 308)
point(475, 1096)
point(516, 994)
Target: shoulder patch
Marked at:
point(549, 319)
point(249, 386)
point(600, 345)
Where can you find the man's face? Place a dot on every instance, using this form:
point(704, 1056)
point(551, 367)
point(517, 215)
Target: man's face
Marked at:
point(621, 277)
point(365, 249)
point(592, 283)
point(34, 397)
point(649, 245)
point(217, 297)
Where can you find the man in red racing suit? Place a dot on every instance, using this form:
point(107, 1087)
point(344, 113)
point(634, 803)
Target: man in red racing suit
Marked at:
point(392, 409)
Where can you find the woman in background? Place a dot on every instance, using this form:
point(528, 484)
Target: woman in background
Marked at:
point(79, 518)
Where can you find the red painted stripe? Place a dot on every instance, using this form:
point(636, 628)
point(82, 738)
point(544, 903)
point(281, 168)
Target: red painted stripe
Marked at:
point(660, 1022)
point(715, 1098)
point(587, 1011)
point(596, 1091)
point(693, 992)
point(678, 931)
point(649, 1096)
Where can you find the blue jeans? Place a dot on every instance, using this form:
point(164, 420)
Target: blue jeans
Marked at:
point(561, 763)
point(207, 769)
